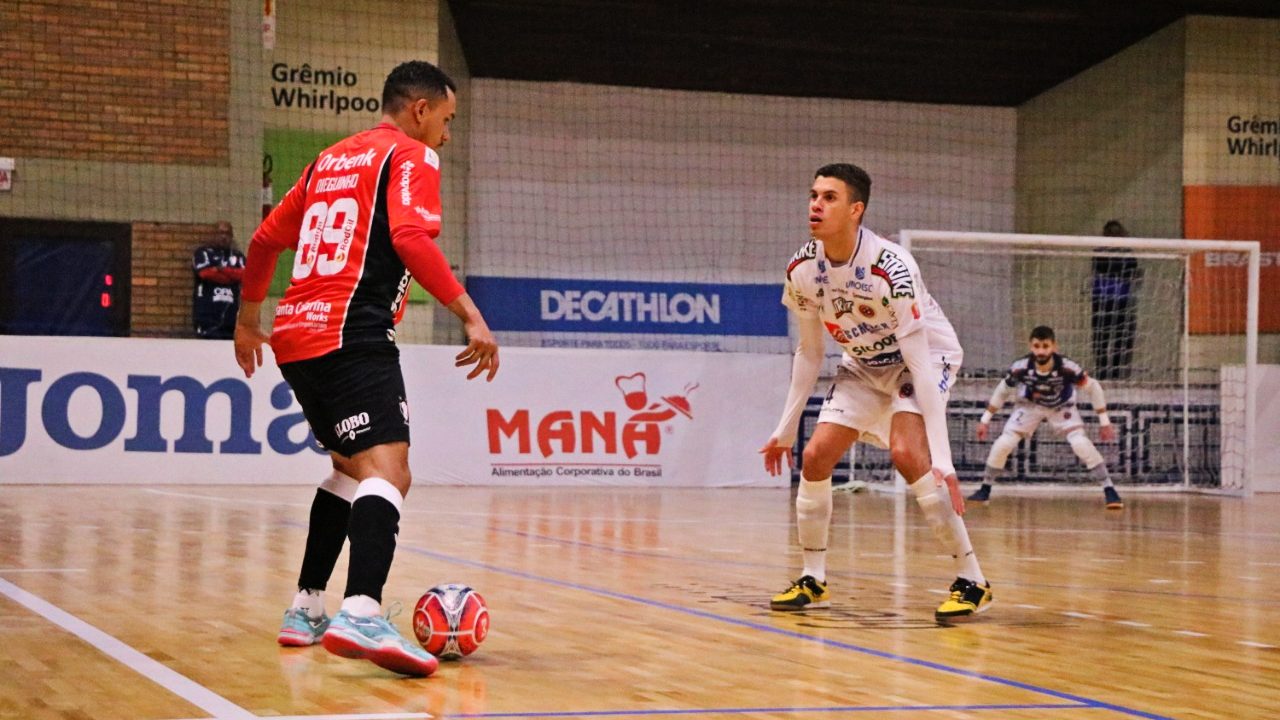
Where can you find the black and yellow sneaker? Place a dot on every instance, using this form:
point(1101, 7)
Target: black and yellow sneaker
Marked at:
point(803, 594)
point(1112, 498)
point(968, 598)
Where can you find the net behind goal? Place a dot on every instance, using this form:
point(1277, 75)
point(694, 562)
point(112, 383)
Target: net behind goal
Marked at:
point(1169, 327)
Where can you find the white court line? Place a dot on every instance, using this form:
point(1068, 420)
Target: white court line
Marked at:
point(1027, 606)
point(1133, 623)
point(1189, 633)
point(48, 570)
point(1080, 615)
point(180, 685)
point(1249, 577)
point(1159, 581)
point(1252, 644)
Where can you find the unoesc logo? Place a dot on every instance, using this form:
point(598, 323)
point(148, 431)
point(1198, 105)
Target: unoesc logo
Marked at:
point(148, 391)
point(566, 432)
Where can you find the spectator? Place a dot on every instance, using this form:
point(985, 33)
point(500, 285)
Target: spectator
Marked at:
point(218, 266)
point(1114, 303)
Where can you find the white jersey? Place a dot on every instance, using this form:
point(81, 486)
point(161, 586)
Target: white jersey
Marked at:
point(869, 302)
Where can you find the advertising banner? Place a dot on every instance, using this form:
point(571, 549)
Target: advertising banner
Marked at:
point(116, 410)
point(552, 312)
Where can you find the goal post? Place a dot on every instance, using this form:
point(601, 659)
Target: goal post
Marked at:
point(1168, 326)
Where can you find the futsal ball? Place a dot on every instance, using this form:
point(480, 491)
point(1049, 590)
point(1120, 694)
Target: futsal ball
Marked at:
point(451, 621)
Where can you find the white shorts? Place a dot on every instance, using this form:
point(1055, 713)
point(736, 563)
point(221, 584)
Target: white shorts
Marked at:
point(866, 398)
point(1027, 417)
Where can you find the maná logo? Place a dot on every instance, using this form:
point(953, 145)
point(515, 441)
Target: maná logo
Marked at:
point(565, 432)
point(22, 389)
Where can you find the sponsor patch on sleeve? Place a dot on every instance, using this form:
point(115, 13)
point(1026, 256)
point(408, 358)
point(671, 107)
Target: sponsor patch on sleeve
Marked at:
point(431, 158)
point(808, 252)
point(895, 272)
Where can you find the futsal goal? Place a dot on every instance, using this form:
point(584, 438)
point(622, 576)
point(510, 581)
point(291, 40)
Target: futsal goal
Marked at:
point(1168, 326)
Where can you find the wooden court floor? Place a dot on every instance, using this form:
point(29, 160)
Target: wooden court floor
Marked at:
point(161, 603)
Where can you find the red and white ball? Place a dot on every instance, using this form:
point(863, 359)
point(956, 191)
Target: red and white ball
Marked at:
point(451, 621)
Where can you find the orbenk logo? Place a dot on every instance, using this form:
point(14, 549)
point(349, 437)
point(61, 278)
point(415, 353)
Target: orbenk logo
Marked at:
point(592, 432)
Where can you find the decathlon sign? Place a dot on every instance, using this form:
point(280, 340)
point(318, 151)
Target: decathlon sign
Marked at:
point(604, 306)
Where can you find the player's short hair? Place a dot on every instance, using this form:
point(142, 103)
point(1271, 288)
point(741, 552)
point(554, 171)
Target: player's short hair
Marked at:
point(412, 80)
point(856, 178)
point(1114, 228)
point(1042, 332)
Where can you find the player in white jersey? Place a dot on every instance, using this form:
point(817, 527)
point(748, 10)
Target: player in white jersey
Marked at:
point(1044, 385)
point(901, 356)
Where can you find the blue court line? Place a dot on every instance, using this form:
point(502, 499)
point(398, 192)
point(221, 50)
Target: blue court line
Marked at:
point(748, 711)
point(1077, 700)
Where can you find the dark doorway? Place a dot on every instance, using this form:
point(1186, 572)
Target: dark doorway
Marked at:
point(64, 278)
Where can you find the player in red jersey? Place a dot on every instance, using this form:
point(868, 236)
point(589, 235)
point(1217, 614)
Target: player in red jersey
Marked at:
point(363, 219)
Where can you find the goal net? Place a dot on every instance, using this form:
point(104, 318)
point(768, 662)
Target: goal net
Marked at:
point(1169, 328)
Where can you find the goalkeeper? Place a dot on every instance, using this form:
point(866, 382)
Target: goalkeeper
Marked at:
point(1044, 384)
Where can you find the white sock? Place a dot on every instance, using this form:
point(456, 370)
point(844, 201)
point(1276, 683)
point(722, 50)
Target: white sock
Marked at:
point(341, 484)
point(947, 526)
point(310, 600)
point(361, 606)
point(813, 520)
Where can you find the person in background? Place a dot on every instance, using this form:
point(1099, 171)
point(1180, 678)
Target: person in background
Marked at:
point(218, 267)
point(1114, 304)
point(1044, 385)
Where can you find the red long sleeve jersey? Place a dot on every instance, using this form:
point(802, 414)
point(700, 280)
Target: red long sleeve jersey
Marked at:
point(363, 218)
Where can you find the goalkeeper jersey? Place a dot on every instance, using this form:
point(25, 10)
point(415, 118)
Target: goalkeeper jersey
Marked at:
point(1051, 389)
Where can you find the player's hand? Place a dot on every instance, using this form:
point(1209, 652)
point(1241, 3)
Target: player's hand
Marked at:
point(953, 488)
point(1107, 433)
point(481, 351)
point(249, 341)
point(984, 431)
point(773, 453)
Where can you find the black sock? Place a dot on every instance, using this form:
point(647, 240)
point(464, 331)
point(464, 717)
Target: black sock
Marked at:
point(374, 525)
point(327, 532)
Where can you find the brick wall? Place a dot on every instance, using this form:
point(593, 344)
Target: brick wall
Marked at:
point(115, 80)
point(162, 278)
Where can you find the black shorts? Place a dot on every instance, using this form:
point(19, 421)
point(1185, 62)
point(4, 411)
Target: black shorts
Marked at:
point(353, 398)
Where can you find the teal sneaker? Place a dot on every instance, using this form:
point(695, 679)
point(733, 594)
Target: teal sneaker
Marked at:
point(301, 630)
point(377, 640)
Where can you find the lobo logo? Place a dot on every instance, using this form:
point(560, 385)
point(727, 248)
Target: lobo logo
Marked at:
point(563, 432)
point(352, 426)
